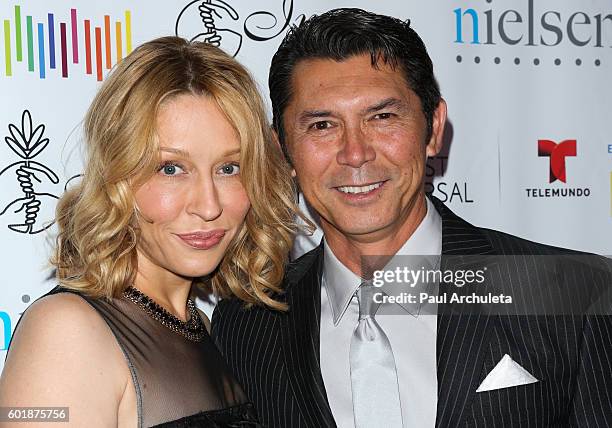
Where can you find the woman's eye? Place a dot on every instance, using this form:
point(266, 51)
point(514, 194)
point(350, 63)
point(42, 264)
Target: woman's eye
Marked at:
point(171, 169)
point(230, 169)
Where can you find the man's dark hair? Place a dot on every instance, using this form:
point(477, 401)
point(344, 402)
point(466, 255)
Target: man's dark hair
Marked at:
point(346, 32)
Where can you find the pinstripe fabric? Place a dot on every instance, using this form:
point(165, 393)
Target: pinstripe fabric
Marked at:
point(276, 355)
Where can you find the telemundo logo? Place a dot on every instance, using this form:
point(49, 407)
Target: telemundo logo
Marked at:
point(557, 154)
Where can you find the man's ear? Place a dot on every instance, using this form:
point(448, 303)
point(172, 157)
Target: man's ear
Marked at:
point(437, 129)
point(278, 144)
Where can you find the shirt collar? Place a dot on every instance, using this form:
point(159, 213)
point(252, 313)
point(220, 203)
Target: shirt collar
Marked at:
point(341, 283)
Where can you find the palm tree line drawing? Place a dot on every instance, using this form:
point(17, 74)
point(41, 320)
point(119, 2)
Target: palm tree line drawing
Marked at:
point(27, 142)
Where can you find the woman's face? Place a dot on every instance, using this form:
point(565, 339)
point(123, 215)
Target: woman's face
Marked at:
point(195, 203)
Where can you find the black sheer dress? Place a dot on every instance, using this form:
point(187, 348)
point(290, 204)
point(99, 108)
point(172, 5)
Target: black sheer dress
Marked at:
point(178, 382)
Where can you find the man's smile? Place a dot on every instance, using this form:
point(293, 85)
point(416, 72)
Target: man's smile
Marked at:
point(360, 189)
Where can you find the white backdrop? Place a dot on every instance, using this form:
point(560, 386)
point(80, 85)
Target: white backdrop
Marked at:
point(511, 77)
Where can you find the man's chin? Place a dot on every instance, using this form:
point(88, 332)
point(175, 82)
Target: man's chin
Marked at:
point(358, 228)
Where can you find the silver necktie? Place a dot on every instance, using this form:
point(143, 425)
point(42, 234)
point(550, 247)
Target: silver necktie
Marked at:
point(376, 401)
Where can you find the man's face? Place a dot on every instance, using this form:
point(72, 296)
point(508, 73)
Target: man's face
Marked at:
point(357, 139)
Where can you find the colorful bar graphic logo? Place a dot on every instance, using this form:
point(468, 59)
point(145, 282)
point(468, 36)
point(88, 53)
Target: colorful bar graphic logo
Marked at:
point(97, 40)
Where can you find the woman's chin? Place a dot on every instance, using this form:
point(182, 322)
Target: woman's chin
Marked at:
point(196, 270)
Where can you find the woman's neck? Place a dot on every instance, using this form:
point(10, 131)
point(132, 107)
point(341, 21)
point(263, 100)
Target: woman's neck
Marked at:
point(167, 289)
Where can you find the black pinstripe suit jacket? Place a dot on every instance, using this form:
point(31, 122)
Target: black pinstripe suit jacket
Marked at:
point(276, 355)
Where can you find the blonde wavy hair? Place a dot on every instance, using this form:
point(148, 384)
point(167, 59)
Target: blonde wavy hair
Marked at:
point(98, 234)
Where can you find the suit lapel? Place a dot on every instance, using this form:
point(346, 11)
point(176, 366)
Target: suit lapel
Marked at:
point(300, 334)
point(462, 337)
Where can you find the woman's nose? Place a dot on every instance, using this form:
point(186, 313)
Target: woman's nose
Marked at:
point(204, 200)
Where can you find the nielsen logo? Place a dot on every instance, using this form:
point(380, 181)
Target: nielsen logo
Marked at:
point(6, 321)
point(511, 27)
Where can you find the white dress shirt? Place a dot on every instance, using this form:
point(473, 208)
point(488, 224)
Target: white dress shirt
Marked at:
point(412, 337)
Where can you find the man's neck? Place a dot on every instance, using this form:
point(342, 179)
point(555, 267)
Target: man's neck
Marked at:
point(349, 249)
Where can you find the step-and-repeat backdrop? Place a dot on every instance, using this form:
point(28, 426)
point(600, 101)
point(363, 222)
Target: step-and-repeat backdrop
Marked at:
point(528, 84)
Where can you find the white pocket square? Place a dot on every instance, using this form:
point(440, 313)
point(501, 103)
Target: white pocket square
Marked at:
point(505, 374)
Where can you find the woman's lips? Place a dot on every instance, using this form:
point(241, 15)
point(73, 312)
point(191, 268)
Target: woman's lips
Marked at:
point(202, 240)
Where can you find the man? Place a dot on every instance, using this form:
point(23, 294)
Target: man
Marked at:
point(357, 111)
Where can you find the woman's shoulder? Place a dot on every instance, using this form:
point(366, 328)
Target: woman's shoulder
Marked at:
point(66, 311)
point(60, 322)
point(65, 352)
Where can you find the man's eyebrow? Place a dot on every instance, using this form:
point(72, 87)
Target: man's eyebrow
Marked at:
point(308, 115)
point(386, 103)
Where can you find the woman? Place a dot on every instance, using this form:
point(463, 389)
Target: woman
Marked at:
point(183, 187)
